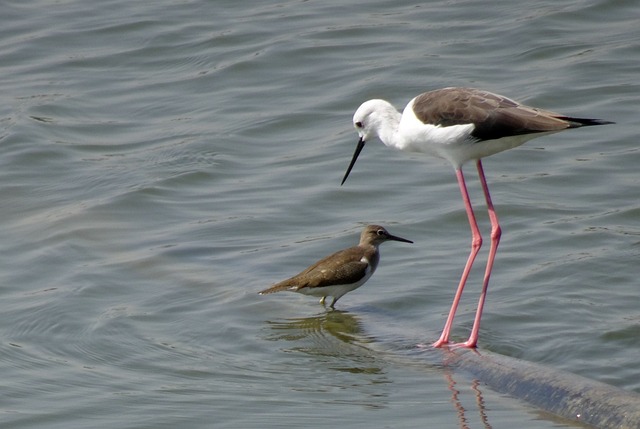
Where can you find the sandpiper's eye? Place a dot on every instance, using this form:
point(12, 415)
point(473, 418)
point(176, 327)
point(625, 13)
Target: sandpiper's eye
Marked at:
point(380, 232)
point(358, 124)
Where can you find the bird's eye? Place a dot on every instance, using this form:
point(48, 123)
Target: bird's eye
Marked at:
point(358, 124)
point(380, 232)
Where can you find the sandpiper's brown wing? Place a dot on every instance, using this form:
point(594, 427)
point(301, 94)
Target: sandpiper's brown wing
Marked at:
point(343, 267)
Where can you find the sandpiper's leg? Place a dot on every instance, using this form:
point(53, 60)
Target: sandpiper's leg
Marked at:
point(476, 243)
point(496, 232)
point(333, 303)
point(322, 300)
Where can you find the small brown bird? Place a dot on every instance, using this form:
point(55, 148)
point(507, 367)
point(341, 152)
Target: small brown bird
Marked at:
point(341, 272)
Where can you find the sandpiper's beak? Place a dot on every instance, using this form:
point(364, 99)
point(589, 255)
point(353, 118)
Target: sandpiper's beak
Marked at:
point(353, 160)
point(396, 238)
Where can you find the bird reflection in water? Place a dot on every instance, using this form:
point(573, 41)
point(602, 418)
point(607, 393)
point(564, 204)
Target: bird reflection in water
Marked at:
point(463, 419)
point(338, 340)
point(332, 333)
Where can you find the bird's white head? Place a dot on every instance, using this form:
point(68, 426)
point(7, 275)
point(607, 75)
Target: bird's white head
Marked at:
point(374, 118)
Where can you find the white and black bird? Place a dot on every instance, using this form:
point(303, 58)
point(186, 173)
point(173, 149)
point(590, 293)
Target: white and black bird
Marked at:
point(460, 125)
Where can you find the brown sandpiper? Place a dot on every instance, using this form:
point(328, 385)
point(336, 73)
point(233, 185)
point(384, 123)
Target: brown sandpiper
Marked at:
point(341, 272)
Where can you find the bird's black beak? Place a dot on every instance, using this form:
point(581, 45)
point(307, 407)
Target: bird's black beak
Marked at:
point(396, 238)
point(353, 160)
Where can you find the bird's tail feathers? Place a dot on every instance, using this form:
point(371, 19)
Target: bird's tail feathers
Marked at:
point(282, 286)
point(584, 122)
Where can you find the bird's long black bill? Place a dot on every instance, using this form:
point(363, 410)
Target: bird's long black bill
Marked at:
point(354, 159)
point(396, 238)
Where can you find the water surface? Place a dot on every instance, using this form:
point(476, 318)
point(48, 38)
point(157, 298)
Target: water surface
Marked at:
point(162, 162)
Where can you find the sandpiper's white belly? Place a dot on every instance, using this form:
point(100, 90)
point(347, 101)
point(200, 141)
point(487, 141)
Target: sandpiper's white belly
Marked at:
point(337, 291)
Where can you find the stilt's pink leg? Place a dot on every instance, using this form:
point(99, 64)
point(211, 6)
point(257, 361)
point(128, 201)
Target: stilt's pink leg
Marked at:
point(496, 232)
point(476, 243)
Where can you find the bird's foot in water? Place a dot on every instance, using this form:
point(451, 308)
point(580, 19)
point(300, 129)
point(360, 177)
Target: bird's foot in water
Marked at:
point(469, 344)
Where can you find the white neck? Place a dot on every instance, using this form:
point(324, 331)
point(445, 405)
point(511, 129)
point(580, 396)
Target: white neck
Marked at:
point(386, 123)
